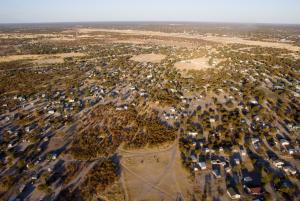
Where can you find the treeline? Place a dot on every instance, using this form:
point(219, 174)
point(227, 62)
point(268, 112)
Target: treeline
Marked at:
point(107, 128)
point(103, 174)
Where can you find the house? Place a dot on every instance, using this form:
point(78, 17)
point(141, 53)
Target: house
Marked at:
point(289, 170)
point(291, 150)
point(51, 112)
point(202, 165)
point(254, 140)
point(34, 178)
point(54, 156)
point(30, 128)
point(292, 170)
point(293, 127)
point(194, 158)
point(243, 152)
point(254, 190)
point(172, 110)
point(12, 144)
point(237, 161)
point(194, 144)
point(278, 163)
point(233, 193)
point(284, 142)
point(212, 120)
point(247, 179)
point(216, 170)
point(253, 102)
point(227, 167)
point(71, 100)
point(206, 150)
point(193, 134)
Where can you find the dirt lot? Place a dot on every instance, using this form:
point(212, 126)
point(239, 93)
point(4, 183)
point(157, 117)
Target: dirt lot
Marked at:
point(232, 40)
point(194, 64)
point(155, 175)
point(153, 58)
point(41, 59)
point(223, 40)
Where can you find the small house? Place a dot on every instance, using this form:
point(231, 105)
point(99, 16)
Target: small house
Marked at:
point(233, 193)
point(202, 165)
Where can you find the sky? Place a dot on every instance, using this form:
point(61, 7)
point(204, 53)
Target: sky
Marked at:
point(242, 11)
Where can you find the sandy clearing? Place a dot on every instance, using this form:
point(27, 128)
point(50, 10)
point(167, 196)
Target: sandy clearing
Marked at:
point(223, 40)
point(194, 64)
point(153, 58)
point(31, 36)
point(157, 176)
point(62, 38)
point(51, 37)
point(130, 41)
point(236, 40)
point(41, 59)
point(172, 43)
point(91, 36)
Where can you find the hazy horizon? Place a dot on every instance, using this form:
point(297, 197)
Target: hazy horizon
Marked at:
point(214, 11)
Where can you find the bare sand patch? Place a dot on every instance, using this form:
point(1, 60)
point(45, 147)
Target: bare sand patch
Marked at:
point(91, 36)
point(236, 40)
point(172, 43)
point(157, 176)
point(30, 36)
point(63, 38)
point(130, 41)
point(43, 58)
point(223, 40)
point(153, 58)
point(194, 64)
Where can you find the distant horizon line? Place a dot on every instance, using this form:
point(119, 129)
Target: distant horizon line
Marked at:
point(146, 21)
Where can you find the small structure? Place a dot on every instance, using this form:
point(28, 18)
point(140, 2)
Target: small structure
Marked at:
point(257, 190)
point(233, 194)
point(193, 134)
point(202, 165)
point(284, 142)
point(237, 161)
point(278, 163)
point(194, 158)
point(254, 140)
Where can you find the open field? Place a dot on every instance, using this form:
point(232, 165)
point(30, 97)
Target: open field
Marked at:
point(41, 59)
point(236, 40)
point(153, 58)
point(155, 175)
point(224, 40)
point(194, 64)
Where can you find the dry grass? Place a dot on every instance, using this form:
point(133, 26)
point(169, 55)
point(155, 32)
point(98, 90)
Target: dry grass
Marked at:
point(194, 64)
point(153, 58)
point(223, 40)
point(158, 176)
point(236, 40)
point(41, 59)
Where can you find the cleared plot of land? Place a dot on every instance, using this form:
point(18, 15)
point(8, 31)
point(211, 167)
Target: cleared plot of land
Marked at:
point(42, 58)
point(194, 64)
point(153, 58)
point(155, 176)
point(223, 40)
point(173, 43)
point(236, 40)
point(26, 36)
